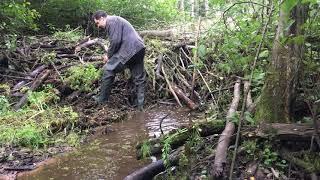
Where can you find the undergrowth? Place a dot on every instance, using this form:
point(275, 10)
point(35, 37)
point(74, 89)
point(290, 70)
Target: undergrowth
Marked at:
point(38, 123)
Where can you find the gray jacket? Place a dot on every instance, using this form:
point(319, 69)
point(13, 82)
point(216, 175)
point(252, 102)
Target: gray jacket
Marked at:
point(124, 40)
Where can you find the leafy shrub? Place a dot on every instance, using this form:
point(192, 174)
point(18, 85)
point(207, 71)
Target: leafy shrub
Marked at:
point(82, 77)
point(4, 104)
point(68, 34)
point(77, 12)
point(17, 17)
point(59, 13)
point(34, 125)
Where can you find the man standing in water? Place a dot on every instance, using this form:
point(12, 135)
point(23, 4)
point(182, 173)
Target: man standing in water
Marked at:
point(126, 50)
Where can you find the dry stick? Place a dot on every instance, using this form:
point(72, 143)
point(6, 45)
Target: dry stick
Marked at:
point(224, 139)
point(246, 92)
point(205, 82)
point(94, 41)
point(192, 86)
point(195, 58)
point(180, 77)
point(35, 84)
point(16, 77)
point(172, 91)
point(183, 96)
point(164, 117)
point(249, 103)
point(31, 76)
point(315, 123)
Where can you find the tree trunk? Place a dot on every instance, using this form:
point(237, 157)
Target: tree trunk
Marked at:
point(192, 3)
point(279, 91)
point(206, 7)
point(181, 5)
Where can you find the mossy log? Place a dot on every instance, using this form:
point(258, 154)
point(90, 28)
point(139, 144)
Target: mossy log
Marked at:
point(309, 162)
point(149, 171)
point(179, 138)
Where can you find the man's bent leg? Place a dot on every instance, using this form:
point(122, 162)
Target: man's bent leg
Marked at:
point(110, 69)
point(106, 85)
point(139, 76)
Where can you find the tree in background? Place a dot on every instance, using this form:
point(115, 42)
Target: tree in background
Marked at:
point(279, 92)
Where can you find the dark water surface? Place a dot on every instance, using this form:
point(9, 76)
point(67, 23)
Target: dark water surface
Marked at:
point(111, 156)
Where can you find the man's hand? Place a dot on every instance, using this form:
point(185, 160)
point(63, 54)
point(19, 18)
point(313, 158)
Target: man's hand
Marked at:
point(105, 58)
point(77, 49)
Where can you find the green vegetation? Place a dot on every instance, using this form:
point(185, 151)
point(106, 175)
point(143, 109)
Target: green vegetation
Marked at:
point(38, 123)
point(17, 17)
point(68, 34)
point(236, 40)
point(82, 77)
point(145, 148)
point(268, 156)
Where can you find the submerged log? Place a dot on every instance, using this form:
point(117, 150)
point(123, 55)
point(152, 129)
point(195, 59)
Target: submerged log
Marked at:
point(149, 171)
point(225, 137)
point(179, 139)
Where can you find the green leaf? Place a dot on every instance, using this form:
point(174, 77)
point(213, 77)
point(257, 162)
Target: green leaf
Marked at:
point(309, 1)
point(288, 5)
point(202, 51)
point(298, 40)
point(264, 54)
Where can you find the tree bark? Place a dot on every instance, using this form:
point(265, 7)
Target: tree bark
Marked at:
point(206, 7)
point(225, 137)
point(192, 3)
point(184, 97)
point(34, 86)
point(279, 92)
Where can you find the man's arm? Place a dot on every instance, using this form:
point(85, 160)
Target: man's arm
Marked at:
point(115, 38)
point(90, 42)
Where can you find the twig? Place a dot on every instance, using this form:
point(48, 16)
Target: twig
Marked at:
point(205, 82)
point(195, 59)
point(172, 91)
point(246, 93)
point(164, 117)
point(315, 123)
point(16, 77)
point(244, 2)
point(35, 84)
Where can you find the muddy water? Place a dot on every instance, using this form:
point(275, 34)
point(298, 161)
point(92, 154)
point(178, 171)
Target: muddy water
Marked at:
point(111, 155)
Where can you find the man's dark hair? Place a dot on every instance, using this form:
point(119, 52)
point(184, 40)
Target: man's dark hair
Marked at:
point(99, 14)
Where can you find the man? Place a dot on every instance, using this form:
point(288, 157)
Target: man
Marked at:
point(126, 50)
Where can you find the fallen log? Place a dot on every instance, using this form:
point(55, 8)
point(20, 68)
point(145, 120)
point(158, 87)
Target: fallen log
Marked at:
point(31, 76)
point(170, 87)
point(225, 137)
point(249, 102)
point(34, 86)
point(180, 137)
point(91, 42)
point(156, 33)
point(182, 96)
point(149, 171)
point(286, 132)
point(20, 168)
